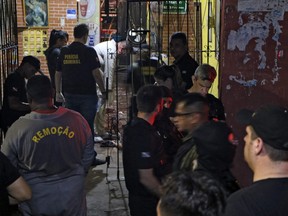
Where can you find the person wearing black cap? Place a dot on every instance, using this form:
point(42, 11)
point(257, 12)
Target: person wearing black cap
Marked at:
point(266, 152)
point(15, 100)
point(53, 150)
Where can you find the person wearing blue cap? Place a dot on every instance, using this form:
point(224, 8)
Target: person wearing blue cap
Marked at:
point(266, 153)
point(15, 100)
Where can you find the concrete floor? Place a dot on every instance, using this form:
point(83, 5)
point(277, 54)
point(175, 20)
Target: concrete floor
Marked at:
point(106, 191)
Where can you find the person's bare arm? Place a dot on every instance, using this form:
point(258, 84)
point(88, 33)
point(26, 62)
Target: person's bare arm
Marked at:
point(19, 191)
point(98, 77)
point(148, 179)
point(16, 104)
point(58, 80)
point(58, 87)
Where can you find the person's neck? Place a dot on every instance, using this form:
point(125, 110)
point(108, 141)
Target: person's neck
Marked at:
point(149, 117)
point(21, 72)
point(43, 108)
point(80, 40)
point(275, 169)
point(180, 56)
point(192, 89)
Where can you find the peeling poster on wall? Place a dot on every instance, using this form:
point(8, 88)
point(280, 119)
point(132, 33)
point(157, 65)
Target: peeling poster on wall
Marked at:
point(262, 5)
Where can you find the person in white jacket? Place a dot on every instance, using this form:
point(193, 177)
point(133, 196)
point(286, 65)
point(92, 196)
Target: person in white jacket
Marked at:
point(107, 52)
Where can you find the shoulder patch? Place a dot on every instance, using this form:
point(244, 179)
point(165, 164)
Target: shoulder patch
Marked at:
point(145, 154)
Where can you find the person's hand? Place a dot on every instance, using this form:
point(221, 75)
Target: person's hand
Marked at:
point(60, 97)
point(102, 97)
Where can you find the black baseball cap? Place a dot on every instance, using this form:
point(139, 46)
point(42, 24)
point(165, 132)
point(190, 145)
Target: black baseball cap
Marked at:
point(215, 143)
point(34, 61)
point(270, 123)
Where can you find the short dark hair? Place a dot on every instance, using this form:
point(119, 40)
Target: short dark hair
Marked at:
point(81, 30)
point(164, 72)
point(39, 88)
point(147, 98)
point(192, 193)
point(194, 100)
point(205, 72)
point(179, 35)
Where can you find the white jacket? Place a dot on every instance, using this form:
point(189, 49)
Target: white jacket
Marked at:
point(106, 52)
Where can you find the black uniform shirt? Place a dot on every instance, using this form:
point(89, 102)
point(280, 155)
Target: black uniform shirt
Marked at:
point(141, 149)
point(15, 86)
point(187, 66)
point(76, 62)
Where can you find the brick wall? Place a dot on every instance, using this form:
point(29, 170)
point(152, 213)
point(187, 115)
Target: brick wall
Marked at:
point(56, 10)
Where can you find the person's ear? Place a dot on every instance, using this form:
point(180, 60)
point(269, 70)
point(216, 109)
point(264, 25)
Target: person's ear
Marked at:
point(186, 47)
point(159, 106)
point(193, 78)
point(258, 145)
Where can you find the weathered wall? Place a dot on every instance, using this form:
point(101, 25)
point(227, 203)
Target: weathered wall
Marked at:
point(253, 63)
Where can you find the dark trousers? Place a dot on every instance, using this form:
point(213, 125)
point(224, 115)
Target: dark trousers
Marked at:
point(142, 206)
point(86, 105)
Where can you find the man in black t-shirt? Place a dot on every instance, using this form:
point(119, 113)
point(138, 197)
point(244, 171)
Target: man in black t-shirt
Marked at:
point(185, 63)
point(76, 76)
point(15, 100)
point(266, 152)
point(11, 183)
point(142, 148)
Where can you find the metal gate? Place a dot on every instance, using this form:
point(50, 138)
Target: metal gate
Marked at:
point(153, 22)
point(8, 40)
point(8, 43)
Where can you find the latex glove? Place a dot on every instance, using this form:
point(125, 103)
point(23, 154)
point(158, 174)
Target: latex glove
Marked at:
point(102, 98)
point(60, 97)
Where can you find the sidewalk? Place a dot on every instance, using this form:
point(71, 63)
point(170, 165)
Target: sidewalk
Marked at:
point(105, 186)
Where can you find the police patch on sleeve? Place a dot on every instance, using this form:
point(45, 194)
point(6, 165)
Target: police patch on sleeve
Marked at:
point(145, 154)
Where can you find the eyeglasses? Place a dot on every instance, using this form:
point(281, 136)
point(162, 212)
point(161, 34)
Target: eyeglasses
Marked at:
point(184, 114)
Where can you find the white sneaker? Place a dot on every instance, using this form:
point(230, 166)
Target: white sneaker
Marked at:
point(98, 139)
